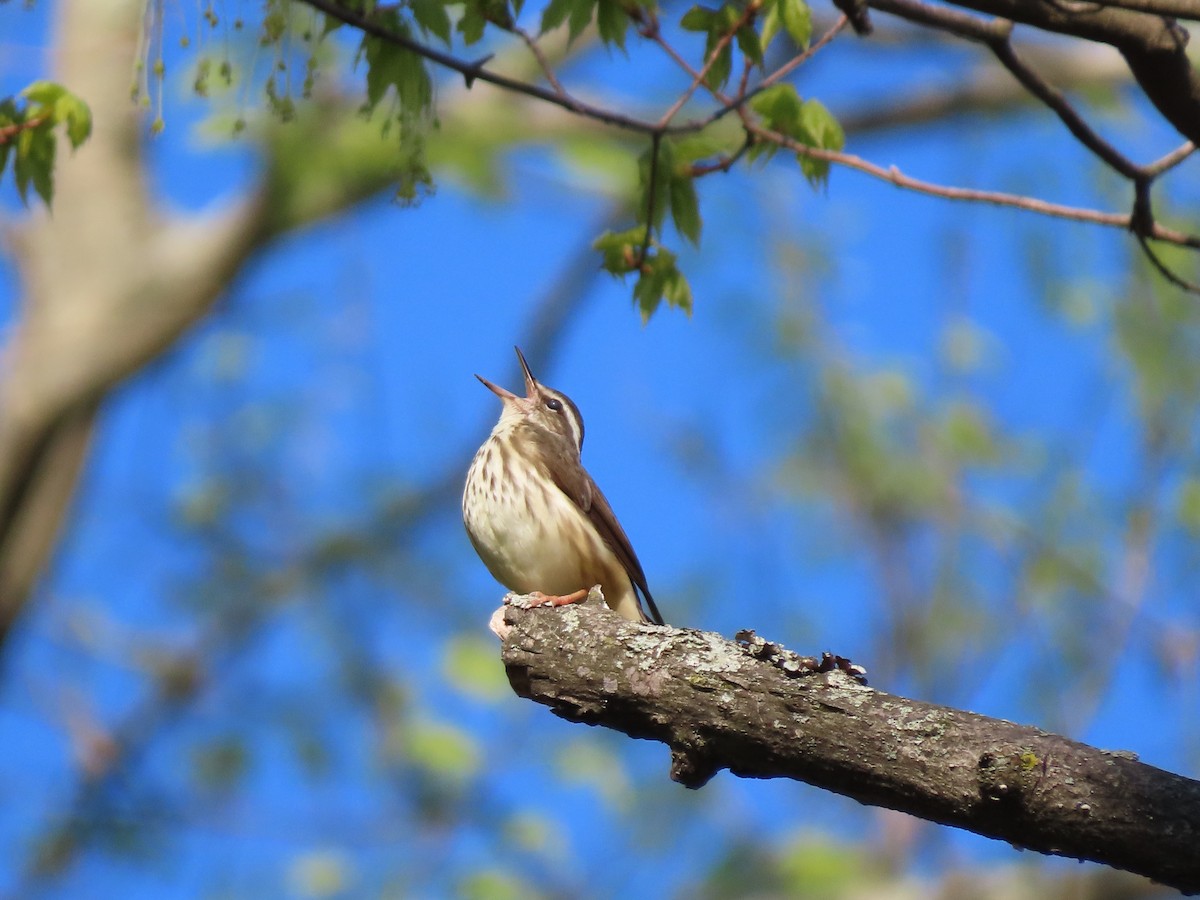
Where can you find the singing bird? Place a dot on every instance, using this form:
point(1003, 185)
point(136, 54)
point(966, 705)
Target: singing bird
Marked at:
point(534, 515)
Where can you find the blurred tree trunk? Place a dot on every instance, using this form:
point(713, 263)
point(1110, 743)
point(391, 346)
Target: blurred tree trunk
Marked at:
point(107, 283)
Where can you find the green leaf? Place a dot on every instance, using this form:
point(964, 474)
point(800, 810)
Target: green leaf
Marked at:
point(611, 22)
point(432, 17)
point(770, 23)
point(698, 18)
point(478, 13)
point(818, 128)
point(662, 174)
point(555, 14)
point(685, 208)
point(797, 20)
point(721, 24)
point(43, 93)
point(749, 44)
point(661, 279)
point(620, 249)
point(678, 292)
point(648, 293)
point(718, 72)
point(581, 17)
point(60, 107)
point(392, 66)
point(808, 122)
point(471, 25)
point(34, 163)
point(779, 107)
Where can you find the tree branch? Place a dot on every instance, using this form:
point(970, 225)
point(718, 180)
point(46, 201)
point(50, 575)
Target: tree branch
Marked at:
point(718, 706)
point(1154, 47)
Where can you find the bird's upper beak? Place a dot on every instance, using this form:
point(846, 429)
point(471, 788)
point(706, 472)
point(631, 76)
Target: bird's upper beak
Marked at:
point(530, 381)
point(505, 394)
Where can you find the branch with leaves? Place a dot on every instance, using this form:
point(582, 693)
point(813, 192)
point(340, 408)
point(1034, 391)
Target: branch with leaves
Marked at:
point(761, 711)
point(28, 134)
point(773, 115)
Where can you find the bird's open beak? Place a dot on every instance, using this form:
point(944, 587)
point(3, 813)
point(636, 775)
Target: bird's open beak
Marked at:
point(502, 393)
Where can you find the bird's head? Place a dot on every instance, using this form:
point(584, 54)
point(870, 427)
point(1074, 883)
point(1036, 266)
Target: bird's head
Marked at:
point(541, 407)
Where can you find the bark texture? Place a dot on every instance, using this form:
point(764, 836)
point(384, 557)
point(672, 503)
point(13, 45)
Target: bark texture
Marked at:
point(719, 705)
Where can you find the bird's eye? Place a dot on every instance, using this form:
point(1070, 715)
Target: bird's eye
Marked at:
point(555, 404)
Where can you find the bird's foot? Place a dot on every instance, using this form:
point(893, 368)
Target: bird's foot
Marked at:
point(531, 600)
point(537, 598)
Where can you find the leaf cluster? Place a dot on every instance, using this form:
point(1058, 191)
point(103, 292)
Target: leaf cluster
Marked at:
point(29, 125)
point(808, 122)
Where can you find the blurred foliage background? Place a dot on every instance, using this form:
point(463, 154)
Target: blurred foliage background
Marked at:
point(954, 443)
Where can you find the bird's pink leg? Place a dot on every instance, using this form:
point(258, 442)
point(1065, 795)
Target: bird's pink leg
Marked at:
point(540, 599)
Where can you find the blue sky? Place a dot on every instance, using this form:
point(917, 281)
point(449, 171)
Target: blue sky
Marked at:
point(361, 336)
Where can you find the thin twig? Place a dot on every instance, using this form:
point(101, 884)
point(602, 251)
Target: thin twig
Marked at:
point(1053, 98)
point(1180, 282)
point(992, 33)
point(542, 62)
point(996, 198)
point(651, 188)
point(1171, 160)
point(698, 78)
point(723, 164)
point(8, 132)
point(476, 71)
point(801, 58)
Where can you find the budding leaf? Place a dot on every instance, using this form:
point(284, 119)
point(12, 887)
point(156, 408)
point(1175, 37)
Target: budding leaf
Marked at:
point(793, 16)
point(581, 17)
point(685, 208)
point(749, 44)
point(611, 22)
point(34, 163)
point(698, 18)
point(797, 20)
point(657, 178)
point(818, 128)
point(620, 249)
point(661, 279)
point(432, 17)
point(555, 14)
point(779, 108)
point(391, 66)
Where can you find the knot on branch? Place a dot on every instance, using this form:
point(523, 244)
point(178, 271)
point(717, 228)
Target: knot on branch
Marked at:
point(857, 15)
point(1006, 775)
point(691, 766)
point(792, 663)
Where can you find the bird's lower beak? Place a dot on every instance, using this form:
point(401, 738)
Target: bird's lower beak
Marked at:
point(530, 381)
point(502, 393)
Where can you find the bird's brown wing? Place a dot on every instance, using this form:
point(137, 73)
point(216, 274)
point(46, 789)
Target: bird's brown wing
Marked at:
point(574, 481)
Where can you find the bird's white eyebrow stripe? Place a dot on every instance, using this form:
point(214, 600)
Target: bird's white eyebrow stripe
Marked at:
point(570, 410)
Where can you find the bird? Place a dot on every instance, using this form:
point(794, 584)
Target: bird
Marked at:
point(535, 516)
